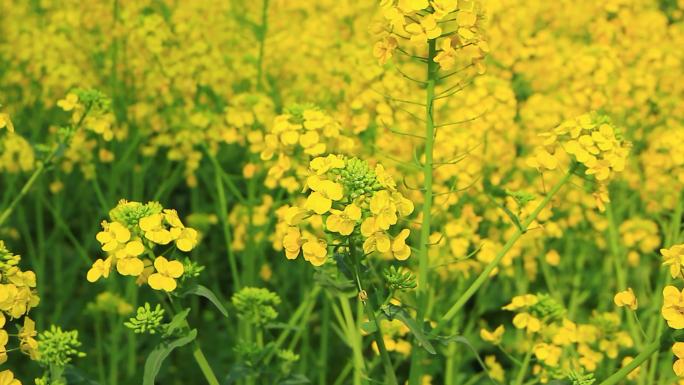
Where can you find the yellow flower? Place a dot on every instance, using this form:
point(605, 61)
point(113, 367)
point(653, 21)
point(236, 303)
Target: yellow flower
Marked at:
point(69, 102)
point(100, 268)
point(412, 5)
point(673, 307)
point(494, 337)
point(526, 321)
point(521, 301)
point(376, 239)
point(426, 29)
point(626, 298)
point(292, 242)
point(384, 209)
point(400, 250)
point(678, 366)
point(7, 378)
point(165, 277)
point(542, 160)
point(130, 265)
point(131, 249)
point(552, 258)
point(27, 341)
point(383, 50)
point(324, 193)
point(113, 236)
point(171, 217)
point(447, 56)
point(315, 251)
point(186, 238)
point(443, 7)
point(343, 222)
point(4, 339)
point(674, 257)
point(154, 230)
point(6, 122)
point(548, 354)
point(322, 165)
point(295, 215)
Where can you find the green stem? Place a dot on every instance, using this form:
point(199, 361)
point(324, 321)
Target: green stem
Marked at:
point(523, 368)
point(202, 362)
point(27, 186)
point(617, 255)
point(197, 353)
point(484, 276)
point(354, 340)
point(223, 216)
point(638, 360)
point(425, 228)
point(391, 377)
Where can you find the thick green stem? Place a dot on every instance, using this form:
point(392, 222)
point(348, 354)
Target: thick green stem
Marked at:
point(204, 364)
point(425, 229)
point(484, 276)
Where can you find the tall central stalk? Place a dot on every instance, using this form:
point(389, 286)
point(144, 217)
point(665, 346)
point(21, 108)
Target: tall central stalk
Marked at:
point(423, 280)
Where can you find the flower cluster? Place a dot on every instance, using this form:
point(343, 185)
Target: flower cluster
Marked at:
point(57, 347)
point(640, 236)
point(559, 344)
point(347, 199)
point(18, 295)
point(92, 122)
point(455, 25)
point(304, 132)
point(146, 320)
point(590, 140)
point(130, 237)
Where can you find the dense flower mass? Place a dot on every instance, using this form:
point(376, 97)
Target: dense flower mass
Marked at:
point(129, 240)
point(489, 191)
point(347, 199)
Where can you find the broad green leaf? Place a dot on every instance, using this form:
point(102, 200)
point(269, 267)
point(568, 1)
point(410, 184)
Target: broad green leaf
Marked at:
point(205, 292)
point(159, 354)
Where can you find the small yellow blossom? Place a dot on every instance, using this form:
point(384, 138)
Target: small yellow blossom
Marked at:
point(626, 298)
point(494, 336)
point(343, 222)
point(673, 307)
point(100, 269)
point(165, 277)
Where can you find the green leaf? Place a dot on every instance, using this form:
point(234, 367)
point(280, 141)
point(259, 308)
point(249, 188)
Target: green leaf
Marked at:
point(160, 352)
point(203, 291)
point(397, 312)
point(178, 322)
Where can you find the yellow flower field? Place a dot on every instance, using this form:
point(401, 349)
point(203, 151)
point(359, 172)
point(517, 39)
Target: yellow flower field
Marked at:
point(333, 192)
